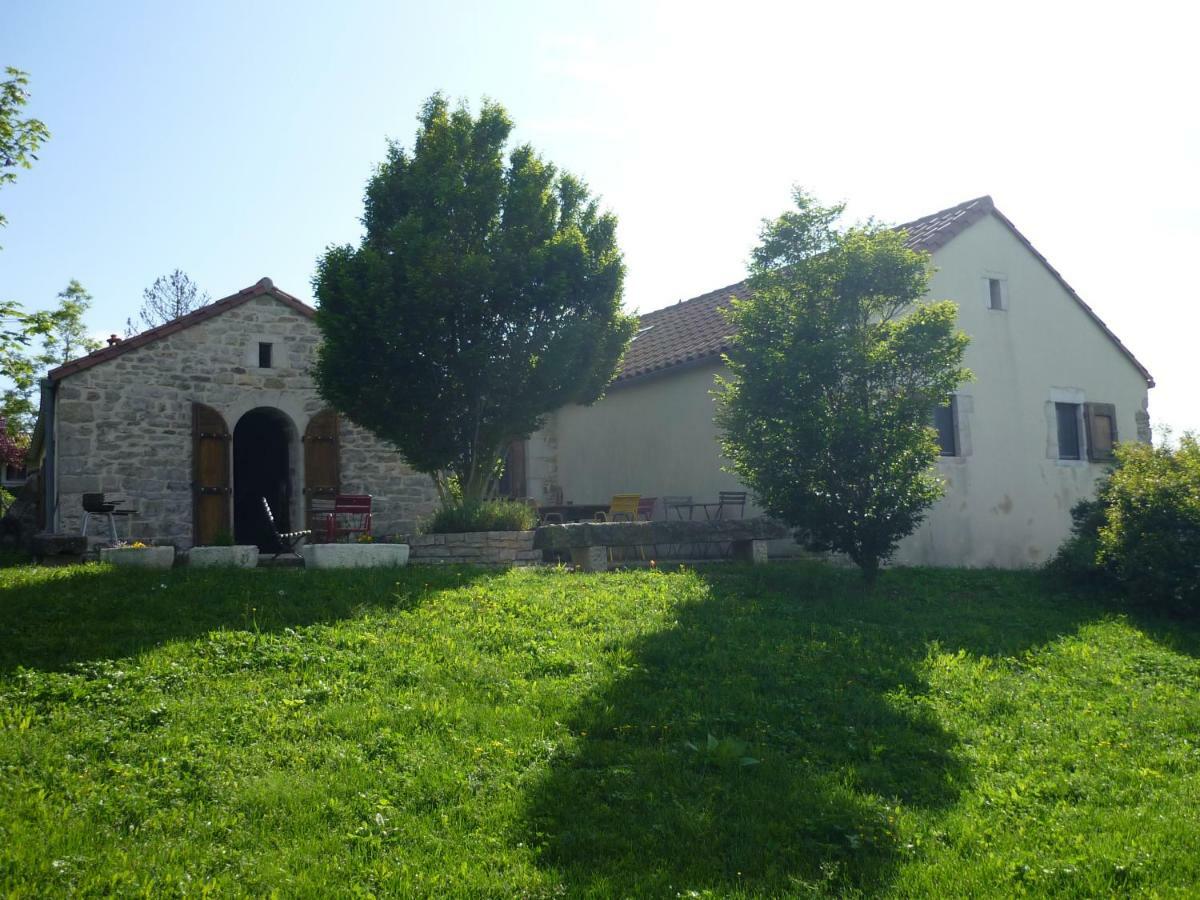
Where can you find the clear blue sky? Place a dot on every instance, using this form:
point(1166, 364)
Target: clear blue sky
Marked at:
point(233, 139)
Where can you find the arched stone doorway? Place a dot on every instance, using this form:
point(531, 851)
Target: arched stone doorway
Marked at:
point(264, 448)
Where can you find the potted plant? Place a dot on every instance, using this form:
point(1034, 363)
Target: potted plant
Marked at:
point(223, 552)
point(139, 555)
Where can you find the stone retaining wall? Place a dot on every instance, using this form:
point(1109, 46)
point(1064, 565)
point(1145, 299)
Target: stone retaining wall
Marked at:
point(478, 548)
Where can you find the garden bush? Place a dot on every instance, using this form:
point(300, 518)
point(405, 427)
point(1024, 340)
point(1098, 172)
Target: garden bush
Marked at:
point(485, 515)
point(1143, 530)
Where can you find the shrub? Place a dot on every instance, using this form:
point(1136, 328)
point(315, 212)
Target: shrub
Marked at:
point(1143, 530)
point(484, 515)
point(1150, 538)
point(1076, 558)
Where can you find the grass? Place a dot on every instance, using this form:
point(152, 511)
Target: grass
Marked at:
point(725, 732)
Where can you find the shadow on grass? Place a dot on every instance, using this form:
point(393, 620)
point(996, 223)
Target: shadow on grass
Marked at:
point(811, 691)
point(51, 618)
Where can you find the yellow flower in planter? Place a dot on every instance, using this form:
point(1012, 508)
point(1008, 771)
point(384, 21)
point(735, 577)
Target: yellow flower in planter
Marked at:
point(365, 539)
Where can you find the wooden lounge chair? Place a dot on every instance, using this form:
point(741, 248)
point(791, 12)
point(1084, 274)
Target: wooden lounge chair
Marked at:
point(282, 542)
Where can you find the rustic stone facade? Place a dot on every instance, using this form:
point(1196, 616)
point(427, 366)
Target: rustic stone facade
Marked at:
point(479, 548)
point(124, 425)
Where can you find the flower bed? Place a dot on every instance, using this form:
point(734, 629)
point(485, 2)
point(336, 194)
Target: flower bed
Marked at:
point(139, 557)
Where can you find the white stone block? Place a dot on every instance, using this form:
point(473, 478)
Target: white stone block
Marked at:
point(353, 556)
point(241, 556)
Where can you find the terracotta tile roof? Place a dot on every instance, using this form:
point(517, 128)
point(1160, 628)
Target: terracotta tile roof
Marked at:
point(263, 286)
point(694, 330)
point(688, 332)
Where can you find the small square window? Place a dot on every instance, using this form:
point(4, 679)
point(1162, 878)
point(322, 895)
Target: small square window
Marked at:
point(1069, 444)
point(944, 417)
point(264, 356)
point(995, 294)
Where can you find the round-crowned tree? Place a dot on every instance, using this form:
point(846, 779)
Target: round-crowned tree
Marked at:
point(485, 293)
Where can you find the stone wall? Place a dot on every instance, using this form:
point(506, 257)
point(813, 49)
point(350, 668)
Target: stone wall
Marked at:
point(480, 548)
point(124, 426)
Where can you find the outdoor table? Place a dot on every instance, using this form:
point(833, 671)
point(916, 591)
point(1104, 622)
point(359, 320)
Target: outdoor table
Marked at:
point(692, 507)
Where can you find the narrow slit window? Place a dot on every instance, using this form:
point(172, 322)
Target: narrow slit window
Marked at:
point(995, 294)
point(944, 417)
point(264, 355)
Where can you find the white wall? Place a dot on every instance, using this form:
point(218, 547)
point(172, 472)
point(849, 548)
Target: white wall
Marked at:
point(1007, 501)
point(655, 437)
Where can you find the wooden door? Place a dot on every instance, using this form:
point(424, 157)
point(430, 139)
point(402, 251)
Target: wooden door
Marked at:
point(210, 474)
point(322, 476)
point(512, 481)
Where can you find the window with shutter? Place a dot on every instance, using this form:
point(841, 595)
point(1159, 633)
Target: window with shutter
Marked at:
point(1100, 420)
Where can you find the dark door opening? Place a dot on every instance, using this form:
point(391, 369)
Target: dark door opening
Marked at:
point(261, 467)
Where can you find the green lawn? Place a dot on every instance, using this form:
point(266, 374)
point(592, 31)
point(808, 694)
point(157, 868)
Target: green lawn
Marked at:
point(457, 733)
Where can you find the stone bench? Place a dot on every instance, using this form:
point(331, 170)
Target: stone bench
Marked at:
point(589, 542)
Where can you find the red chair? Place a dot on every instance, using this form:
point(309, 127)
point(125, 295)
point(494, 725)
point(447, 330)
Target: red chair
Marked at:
point(351, 516)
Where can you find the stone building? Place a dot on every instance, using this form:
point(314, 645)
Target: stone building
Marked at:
point(195, 421)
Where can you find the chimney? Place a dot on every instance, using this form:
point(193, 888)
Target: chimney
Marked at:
point(113, 340)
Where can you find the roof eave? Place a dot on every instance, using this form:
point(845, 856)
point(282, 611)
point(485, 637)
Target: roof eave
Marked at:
point(263, 287)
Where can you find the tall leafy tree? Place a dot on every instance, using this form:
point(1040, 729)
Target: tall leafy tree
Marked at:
point(486, 292)
point(835, 368)
point(50, 338)
point(170, 297)
point(20, 137)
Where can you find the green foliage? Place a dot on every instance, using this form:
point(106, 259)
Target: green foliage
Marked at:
point(40, 341)
point(1143, 529)
point(454, 733)
point(1076, 558)
point(485, 293)
point(223, 538)
point(19, 138)
point(834, 370)
point(481, 515)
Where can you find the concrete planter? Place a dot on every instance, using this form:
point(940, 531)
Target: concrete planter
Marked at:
point(353, 556)
point(139, 557)
point(241, 556)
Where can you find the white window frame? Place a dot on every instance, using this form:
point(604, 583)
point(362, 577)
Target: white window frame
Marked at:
point(1077, 397)
point(986, 279)
point(964, 407)
point(278, 356)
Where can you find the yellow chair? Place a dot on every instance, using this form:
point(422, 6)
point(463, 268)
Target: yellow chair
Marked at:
point(623, 507)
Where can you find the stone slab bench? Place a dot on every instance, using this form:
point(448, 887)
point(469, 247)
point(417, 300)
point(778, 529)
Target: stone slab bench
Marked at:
point(58, 549)
point(589, 542)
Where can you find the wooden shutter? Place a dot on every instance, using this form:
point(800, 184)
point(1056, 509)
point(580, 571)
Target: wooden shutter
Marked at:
point(210, 474)
point(322, 476)
point(512, 481)
point(1100, 419)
